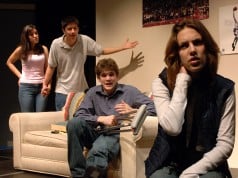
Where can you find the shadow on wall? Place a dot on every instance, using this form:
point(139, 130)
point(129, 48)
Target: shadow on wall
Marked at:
point(135, 63)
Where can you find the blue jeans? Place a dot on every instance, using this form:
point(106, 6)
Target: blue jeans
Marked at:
point(169, 172)
point(103, 148)
point(60, 100)
point(30, 98)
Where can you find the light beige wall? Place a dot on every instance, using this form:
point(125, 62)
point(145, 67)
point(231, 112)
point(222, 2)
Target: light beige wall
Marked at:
point(121, 19)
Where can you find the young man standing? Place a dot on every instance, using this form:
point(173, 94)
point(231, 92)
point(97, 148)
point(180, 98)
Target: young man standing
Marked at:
point(68, 54)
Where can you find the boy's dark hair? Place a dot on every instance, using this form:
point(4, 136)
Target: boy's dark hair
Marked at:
point(106, 64)
point(67, 20)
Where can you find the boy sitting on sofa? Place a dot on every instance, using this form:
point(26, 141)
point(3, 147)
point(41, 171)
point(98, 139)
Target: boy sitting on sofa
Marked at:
point(103, 105)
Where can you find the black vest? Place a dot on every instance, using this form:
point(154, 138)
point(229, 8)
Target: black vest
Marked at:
point(199, 131)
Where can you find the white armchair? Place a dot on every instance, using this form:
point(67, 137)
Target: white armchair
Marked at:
point(36, 149)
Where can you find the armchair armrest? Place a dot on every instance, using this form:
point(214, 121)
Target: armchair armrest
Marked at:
point(148, 130)
point(135, 148)
point(19, 123)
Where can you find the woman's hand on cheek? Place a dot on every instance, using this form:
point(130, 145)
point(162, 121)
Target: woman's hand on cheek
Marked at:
point(183, 70)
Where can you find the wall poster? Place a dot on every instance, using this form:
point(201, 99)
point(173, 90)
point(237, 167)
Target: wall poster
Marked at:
point(228, 29)
point(160, 12)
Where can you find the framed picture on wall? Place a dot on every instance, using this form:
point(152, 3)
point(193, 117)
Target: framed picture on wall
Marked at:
point(160, 12)
point(228, 29)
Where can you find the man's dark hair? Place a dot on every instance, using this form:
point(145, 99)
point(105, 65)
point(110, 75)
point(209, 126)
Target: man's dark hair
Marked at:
point(67, 20)
point(106, 64)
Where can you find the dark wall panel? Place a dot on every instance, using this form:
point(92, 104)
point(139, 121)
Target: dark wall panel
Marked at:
point(12, 20)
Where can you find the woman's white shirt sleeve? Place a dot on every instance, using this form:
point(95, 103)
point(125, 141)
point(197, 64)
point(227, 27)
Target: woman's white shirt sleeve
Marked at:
point(171, 110)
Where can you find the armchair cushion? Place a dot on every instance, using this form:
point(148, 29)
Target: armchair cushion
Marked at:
point(46, 138)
